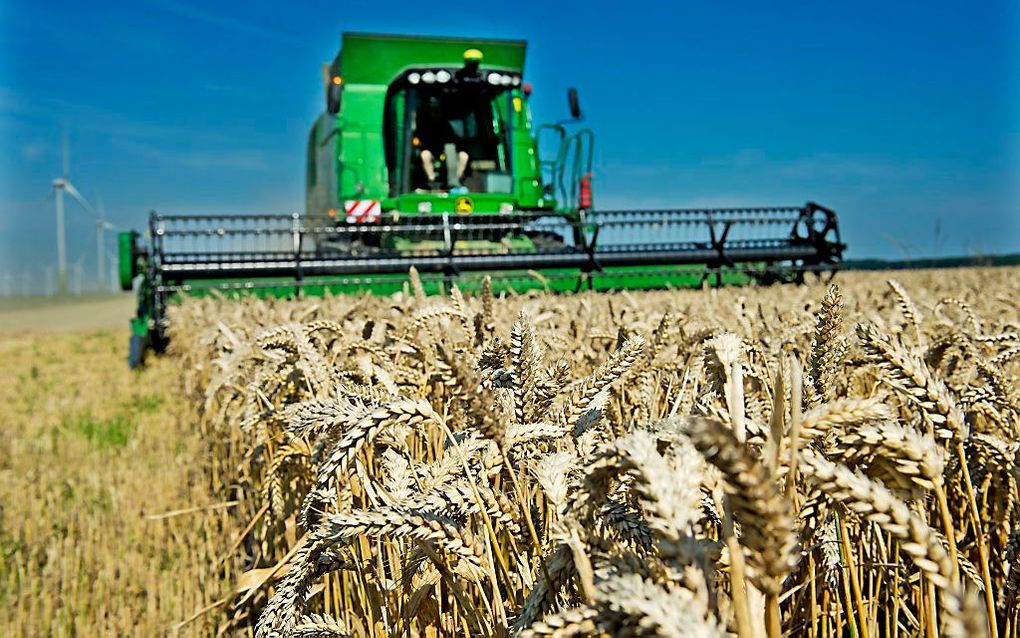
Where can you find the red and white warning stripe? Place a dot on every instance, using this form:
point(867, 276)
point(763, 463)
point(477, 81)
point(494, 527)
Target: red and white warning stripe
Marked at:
point(363, 211)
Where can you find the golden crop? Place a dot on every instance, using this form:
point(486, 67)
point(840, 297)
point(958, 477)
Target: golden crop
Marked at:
point(789, 460)
point(785, 460)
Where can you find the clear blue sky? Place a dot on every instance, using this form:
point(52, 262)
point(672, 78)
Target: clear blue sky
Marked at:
point(900, 115)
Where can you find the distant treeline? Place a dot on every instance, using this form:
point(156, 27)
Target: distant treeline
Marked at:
point(933, 262)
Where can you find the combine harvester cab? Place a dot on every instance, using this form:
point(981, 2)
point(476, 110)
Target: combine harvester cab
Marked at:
point(426, 157)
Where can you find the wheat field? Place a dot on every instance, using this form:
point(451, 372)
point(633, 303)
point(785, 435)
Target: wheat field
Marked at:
point(813, 460)
point(820, 460)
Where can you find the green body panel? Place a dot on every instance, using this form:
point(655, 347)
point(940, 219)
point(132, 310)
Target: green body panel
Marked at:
point(140, 326)
point(361, 161)
point(126, 258)
point(524, 156)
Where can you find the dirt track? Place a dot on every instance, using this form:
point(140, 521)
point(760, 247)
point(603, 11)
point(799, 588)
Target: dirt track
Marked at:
point(86, 314)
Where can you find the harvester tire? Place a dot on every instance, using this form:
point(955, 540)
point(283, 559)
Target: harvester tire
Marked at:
point(136, 352)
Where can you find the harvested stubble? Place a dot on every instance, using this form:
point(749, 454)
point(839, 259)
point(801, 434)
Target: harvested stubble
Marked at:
point(108, 523)
point(792, 460)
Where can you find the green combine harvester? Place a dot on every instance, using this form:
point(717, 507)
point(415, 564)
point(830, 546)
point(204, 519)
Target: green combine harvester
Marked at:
point(426, 156)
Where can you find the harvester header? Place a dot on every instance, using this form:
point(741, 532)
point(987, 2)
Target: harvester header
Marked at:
point(426, 157)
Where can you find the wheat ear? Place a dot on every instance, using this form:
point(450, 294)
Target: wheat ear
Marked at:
point(403, 412)
point(827, 347)
point(911, 375)
point(874, 502)
point(758, 504)
point(600, 380)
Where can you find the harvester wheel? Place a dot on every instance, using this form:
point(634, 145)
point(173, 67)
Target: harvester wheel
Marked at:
point(136, 351)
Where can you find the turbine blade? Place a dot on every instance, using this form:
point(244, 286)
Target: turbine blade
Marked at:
point(73, 192)
point(65, 151)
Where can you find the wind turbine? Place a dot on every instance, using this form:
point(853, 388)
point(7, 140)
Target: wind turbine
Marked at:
point(61, 185)
point(101, 225)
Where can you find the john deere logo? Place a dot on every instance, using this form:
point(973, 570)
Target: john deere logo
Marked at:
point(464, 205)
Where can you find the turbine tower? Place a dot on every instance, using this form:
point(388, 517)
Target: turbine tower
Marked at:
point(63, 185)
point(102, 225)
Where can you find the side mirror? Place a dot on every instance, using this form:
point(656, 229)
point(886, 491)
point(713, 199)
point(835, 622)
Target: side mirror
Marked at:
point(575, 105)
point(333, 93)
